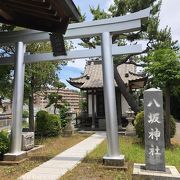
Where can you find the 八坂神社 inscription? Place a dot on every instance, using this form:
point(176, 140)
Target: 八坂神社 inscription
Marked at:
point(154, 130)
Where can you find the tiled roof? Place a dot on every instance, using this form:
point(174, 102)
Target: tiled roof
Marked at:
point(93, 77)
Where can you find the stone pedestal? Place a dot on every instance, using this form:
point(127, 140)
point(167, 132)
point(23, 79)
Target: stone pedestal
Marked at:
point(140, 173)
point(113, 161)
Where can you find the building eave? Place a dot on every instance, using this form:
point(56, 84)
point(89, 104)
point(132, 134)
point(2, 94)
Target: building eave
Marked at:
point(138, 83)
point(46, 15)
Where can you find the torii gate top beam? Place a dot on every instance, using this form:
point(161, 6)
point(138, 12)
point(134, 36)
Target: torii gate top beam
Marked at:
point(117, 25)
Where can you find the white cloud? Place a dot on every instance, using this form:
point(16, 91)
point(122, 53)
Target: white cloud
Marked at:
point(78, 63)
point(108, 3)
point(170, 15)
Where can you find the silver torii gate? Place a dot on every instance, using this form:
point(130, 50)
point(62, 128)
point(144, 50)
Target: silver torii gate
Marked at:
point(104, 28)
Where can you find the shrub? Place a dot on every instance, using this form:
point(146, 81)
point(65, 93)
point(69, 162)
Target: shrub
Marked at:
point(4, 143)
point(54, 125)
point(47, 124)
point(139, 125)
point(41, 122)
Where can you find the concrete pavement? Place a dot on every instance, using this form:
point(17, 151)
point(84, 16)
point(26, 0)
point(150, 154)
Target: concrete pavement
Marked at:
point(65, 161)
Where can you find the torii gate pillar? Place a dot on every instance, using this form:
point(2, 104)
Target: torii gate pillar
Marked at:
point(18, 94)
point(113, 157)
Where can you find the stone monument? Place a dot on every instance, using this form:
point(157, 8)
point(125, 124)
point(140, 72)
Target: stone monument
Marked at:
point(154, 167)
point(27, 140)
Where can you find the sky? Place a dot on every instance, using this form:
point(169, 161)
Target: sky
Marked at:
point(169, 16)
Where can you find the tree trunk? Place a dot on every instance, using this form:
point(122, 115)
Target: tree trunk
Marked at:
point(129, 98)
point(167, 117)
point(31, 113)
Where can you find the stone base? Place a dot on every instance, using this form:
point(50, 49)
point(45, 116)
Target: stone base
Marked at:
point(93, 127)
point(130, 133)
point(13, 159)
point(36, 148)
point(139, 173)
point(68, 133)
point(11, 163)
point(15, 156)
point(124, 167)
point(113, 161)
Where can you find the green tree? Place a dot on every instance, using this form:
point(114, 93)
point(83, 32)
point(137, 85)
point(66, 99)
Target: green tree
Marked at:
point(6, 71)
point(154, 38)
point(39, 76)
point(148, 32)
point(55, 98)
point(164, 67)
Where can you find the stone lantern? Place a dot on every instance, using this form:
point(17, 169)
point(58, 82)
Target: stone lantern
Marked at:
point(130, 130)
point(69, 129)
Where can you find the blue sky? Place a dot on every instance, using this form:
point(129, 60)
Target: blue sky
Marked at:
point(170, 15)
point(69, 71)
point(84, 6)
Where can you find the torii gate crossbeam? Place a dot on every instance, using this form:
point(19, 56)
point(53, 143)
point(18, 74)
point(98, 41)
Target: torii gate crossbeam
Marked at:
point(76, 54)
point(104, 28)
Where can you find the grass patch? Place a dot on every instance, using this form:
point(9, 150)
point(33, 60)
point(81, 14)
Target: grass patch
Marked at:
point(91, 167)
point(53, 146)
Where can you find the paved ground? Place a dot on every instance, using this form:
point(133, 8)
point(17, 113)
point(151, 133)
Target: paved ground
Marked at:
point(65, 161)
